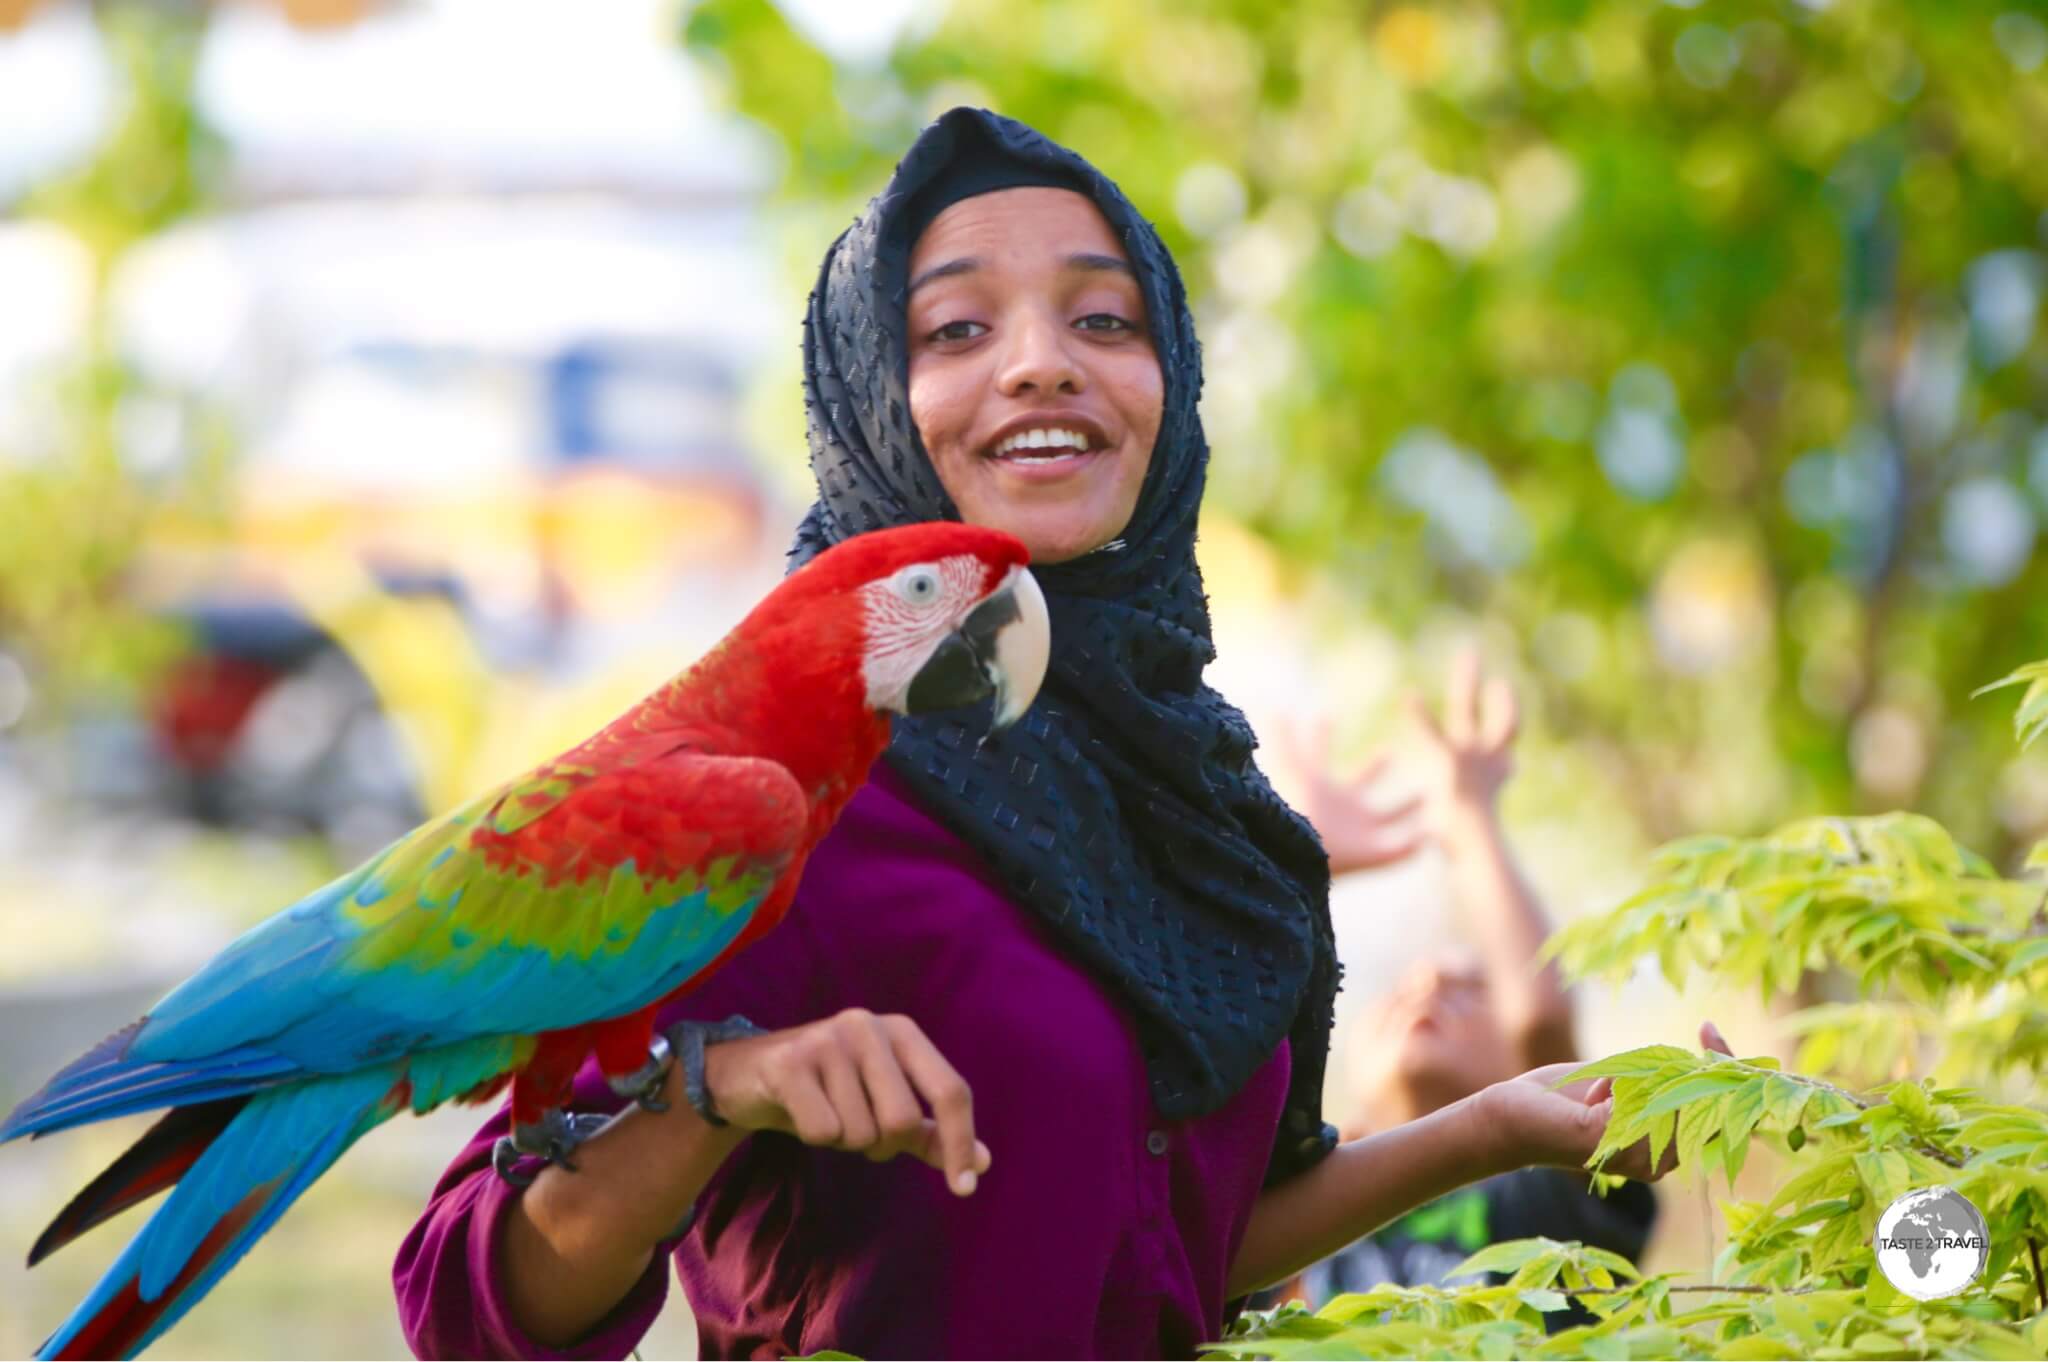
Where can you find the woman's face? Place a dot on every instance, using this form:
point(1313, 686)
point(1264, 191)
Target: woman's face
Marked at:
point(1026, 321)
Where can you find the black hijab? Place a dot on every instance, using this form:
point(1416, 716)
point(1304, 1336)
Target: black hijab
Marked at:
point(1124, 809)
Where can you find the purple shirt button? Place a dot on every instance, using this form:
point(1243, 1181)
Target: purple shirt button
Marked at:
point(1156, 1142)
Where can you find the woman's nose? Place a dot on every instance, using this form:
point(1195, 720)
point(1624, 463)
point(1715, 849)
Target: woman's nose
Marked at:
point(1038, 358)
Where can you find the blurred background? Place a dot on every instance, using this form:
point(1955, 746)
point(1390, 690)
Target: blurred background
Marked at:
point(391, 391)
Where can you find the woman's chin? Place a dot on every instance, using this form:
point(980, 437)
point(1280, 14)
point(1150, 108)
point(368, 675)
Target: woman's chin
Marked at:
point(1056, 529)
point(1060, 544)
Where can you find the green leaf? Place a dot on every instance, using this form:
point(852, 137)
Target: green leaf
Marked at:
point(1676, 1094)
point(1910, 1098)
point(2030, 953)
point(1738, 1117)
point(1612, 1262)
point(1661, 1130)
point(1812, 1214)
point(1840, 1237)
point(1510, 1255)
point(1880, 1295)
point(1878, 1343)
point(1886, 1174)
point(1349, 1306)
point(1834, 1175)
point(1785, 1100)
point(1546, 1301)
point(1647, 1059)
point(1820, 1050)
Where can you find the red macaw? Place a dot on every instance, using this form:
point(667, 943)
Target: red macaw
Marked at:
point(544, 920)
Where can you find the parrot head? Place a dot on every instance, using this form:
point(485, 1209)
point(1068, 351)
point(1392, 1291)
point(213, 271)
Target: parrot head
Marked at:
point(948, 615)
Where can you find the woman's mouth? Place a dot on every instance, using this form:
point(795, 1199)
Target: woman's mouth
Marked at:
point(1048, 450)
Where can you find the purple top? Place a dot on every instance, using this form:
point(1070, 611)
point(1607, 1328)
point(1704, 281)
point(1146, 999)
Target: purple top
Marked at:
point(1099, 1231)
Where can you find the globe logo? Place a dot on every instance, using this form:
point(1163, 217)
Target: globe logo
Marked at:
point(1931, 1243)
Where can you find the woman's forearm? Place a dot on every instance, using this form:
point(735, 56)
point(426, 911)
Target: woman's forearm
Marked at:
point(1362, 1185)
point(574, 1244)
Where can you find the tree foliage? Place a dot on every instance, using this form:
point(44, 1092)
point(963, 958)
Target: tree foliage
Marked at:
point(73, 515)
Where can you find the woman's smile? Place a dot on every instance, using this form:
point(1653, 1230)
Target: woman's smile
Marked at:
point(1049, 447)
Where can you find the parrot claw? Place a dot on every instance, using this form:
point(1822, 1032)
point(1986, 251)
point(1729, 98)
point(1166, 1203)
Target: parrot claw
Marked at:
point(553, 1138)
point(645, 1083)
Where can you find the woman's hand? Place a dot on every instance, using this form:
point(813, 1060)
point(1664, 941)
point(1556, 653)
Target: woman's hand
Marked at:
point(1356, 833)
point(1562, 1127)
point(855, 1081)
point(1462, 762)
point(1468, 757)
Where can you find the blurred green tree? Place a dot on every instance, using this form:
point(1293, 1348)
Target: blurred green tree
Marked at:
point(1697, 344)
point(72, 514)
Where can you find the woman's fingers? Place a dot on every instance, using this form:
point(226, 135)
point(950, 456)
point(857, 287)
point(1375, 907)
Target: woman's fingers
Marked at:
point(803, 1099)
point(841, 1081)
point(857, 1082)
point(1461, 698)
point(1424, 721)
point(900, 1119)
point(1499, 714)
point(1368, 775)
point(952, 1147)
point(1712, 1039)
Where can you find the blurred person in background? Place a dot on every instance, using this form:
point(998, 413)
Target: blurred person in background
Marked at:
point(1099, 939)
point(1456, 1024)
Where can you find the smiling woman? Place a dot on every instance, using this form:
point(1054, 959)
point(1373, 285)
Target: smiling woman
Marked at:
point(1082, 968)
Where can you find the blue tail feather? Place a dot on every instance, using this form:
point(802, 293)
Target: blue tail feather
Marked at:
point(253, 1172)
point(105, 1083)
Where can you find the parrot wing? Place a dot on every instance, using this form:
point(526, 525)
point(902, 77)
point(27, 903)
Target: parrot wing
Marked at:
point(575, 894)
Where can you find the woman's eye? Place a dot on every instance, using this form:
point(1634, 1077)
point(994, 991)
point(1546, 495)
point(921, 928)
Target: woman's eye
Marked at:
point(1104, 321)
point(954, 331)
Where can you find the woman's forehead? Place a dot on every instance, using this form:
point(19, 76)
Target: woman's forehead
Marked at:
point(1024, 219)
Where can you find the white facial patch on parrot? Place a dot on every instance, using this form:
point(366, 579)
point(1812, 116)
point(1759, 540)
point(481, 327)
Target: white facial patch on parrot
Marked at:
point(909, 613)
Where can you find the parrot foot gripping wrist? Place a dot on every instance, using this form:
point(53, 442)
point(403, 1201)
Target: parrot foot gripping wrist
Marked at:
point(688, 1039)
point(554, 1137)
point(645, 1083)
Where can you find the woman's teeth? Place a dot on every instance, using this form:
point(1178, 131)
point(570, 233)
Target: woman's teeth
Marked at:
point(1024, 446)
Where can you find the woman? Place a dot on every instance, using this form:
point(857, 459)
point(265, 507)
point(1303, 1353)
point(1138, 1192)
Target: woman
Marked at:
point(1084, 970)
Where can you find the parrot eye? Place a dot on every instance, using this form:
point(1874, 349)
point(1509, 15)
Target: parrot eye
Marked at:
point(918, 585)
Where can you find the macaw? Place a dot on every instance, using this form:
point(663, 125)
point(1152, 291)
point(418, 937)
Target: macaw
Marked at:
point(546, 920)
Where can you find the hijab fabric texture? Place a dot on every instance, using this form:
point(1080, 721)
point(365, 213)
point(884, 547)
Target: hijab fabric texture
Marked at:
point(1124, 809)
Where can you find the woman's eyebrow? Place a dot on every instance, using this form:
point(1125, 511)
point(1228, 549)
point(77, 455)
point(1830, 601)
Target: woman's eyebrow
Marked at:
point(967, 264)
point(1090, 260)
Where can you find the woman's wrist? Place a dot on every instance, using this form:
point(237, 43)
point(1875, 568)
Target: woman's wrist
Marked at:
point(638, 1179)
point(1468, 827)
point(1485, 1133)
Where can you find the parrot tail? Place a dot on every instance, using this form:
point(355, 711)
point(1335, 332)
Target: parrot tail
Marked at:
point(256, 1160)
point(107, 1081)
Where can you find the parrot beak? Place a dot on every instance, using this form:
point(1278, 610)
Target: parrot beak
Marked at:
point(1000, 649)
